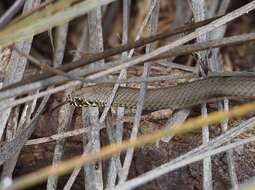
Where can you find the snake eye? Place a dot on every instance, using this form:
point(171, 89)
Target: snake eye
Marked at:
point(69, 98)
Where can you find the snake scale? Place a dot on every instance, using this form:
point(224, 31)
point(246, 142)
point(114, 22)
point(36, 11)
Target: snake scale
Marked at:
point(174, 97)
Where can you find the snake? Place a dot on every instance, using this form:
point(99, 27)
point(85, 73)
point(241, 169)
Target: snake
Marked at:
point(183, 95)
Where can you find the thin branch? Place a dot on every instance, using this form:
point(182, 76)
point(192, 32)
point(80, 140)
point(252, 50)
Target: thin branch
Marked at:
point(58, 136)
point(60, 44)
point(11, 148)
point(20, 90)
point(177, 117)
point(215, 63)
point(199, 153)
point(172, 166)
point(116, 134)
point(11, 130)
point(46, 67)
point(229, 154)
point(63, 120)
point(199, 12)
point(72, 178)
point(86, 59)
point(200, 31)
point(106, 152)
point(59, 12)
point(152, 19)
point(68, 109)
point(8, 15)
point(16, 68)
point(91, 143)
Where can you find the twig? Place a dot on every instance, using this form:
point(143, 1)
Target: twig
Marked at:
point(182, 13)
point(57, 14)
point(93, 171)
point(58, 136)
point(199, 12)
point(173, 165)
point(152, 19)
point(20, 90)
point(24, 120)
point(131, 45)
point(60, 44)
point(11, 130)
point(72, 178)
point(115, 163)
point(91, 143)
point(177, 117)
point(115, 134)
point(46, 67)
point(63, 120)
point(235, 40)
point(16, 68)
point(187, 158)
point(102, 55)
point(173, 65)
point(68, 110)
point(200, 31)
point(33, 10)
point(11, 148)
point(106, 152)
point(216, 64)
point(229, 154)
point(8, 15)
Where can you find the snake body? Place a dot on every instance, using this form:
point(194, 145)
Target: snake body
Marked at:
point(174, 97)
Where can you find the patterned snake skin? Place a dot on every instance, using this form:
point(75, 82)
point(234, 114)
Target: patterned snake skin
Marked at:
point(180, 96)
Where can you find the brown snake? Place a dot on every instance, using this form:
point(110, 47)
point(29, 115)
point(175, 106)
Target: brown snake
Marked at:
point(174, 97)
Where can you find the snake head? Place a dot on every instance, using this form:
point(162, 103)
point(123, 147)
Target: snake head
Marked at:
point(81, 102)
